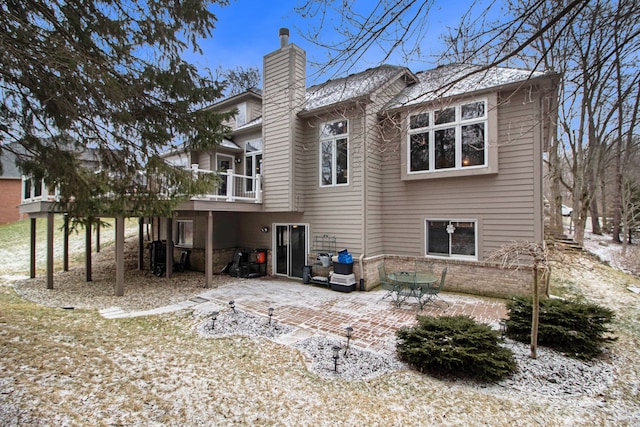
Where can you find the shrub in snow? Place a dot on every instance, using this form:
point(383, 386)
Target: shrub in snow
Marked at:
point(574, 328)
point(455, 345)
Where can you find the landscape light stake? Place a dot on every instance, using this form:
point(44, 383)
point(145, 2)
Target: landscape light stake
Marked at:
point(270, 314)
point(336, 355)
point(232, 304)
point(214, 316)
point(503, 328)
point(349, 332)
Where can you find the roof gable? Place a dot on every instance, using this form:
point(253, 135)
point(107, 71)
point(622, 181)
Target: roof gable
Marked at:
point(9, 168)
point(457, 79)
point(232, 101)
point(353, 87)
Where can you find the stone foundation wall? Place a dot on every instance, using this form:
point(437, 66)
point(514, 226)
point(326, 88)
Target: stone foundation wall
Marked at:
point(221, 257)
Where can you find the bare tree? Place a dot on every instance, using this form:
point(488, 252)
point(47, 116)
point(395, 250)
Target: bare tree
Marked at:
point(398, 27)
point(241, 79)
point(589, 41)
point(518, 254)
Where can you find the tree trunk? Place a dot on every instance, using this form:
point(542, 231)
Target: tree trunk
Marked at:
point(556, 224)
point(535, 314)
point(593, 200)
point(617, 195)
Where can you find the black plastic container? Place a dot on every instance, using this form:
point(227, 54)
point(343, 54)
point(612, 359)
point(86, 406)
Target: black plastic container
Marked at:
point(342, 268)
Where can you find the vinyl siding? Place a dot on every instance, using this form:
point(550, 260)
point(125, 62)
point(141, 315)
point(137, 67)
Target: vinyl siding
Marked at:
point(204, 161)
point(335, 211)
point(284, 86)
point(376, 163)
point(254, 109)
point(503, 205)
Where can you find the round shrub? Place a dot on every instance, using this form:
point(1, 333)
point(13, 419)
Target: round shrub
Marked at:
point(577, 329)
point(455, 346)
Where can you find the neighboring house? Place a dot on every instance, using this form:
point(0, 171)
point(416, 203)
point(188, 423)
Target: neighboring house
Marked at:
point(392, 165)
point(10, 189)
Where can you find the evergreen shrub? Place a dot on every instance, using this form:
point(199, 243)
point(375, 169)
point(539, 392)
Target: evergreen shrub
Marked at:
point(577, 329)
point(455, 345)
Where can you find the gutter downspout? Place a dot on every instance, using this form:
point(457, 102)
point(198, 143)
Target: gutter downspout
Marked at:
point(364, 216)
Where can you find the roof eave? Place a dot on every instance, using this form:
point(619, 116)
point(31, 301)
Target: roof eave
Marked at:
point(247, 129)
point(554, 77)
point(365, 99)
point(234, 99)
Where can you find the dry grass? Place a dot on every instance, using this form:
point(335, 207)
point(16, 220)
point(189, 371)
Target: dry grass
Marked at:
point(630, 258)
point(73, 367)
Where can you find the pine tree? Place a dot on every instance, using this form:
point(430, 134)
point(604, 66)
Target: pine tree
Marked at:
point(103, 80)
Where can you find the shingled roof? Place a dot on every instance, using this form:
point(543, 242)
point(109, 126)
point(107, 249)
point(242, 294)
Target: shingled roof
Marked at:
point(9, 168)
point(457, 79)
point(352, 87)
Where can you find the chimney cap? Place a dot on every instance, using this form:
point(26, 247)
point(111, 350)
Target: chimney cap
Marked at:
point(283, 32)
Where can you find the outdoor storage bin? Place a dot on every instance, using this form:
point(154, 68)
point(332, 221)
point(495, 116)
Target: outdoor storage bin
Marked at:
point(342, 268)
point(306, 274)
point(158, 256)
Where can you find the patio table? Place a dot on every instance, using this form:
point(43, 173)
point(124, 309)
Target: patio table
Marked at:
point(411, 284)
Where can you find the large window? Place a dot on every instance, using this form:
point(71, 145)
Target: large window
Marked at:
point(334, 153)
point(451, 238)
point(252, 162)
point(185, 233)
point(449, 138)
point(241, 117)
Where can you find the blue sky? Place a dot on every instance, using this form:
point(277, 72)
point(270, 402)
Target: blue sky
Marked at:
point(248, 29)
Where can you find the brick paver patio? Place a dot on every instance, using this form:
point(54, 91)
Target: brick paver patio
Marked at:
point(318, 310)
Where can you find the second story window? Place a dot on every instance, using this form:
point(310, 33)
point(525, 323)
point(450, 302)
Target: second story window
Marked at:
point(241, 117)
point(449, 138)
point(334, 153)
point(252, 162)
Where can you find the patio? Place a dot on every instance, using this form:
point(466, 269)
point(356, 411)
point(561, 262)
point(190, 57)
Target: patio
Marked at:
point(317, 310)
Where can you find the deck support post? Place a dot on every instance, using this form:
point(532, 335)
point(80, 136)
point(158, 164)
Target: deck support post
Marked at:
point(50, 250)
point(169, 253)
point(119, 256)
point(87, 250)
point(98, 236)
point(140, 243)
point(208, 249)
point(65, 244)
point(32, 249)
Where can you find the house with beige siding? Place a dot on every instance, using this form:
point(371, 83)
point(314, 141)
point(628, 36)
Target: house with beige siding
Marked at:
point(389, 164)
point(392, 165)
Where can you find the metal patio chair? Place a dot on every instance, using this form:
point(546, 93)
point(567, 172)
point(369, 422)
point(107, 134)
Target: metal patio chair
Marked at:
point(394, 289)
point(433, 291)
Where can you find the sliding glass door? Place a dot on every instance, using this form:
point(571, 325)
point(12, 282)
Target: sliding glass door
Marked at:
point(291, 249)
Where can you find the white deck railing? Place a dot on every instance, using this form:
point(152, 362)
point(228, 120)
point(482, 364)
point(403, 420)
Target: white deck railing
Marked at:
point(34, 190)
point(230, 188)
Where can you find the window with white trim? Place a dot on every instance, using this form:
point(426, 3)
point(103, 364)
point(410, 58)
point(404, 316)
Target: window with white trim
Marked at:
point(185, 233)
point(241, 117)
point(334, 153)
point(252, 162)
point(451, 238)
point(450, 138)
